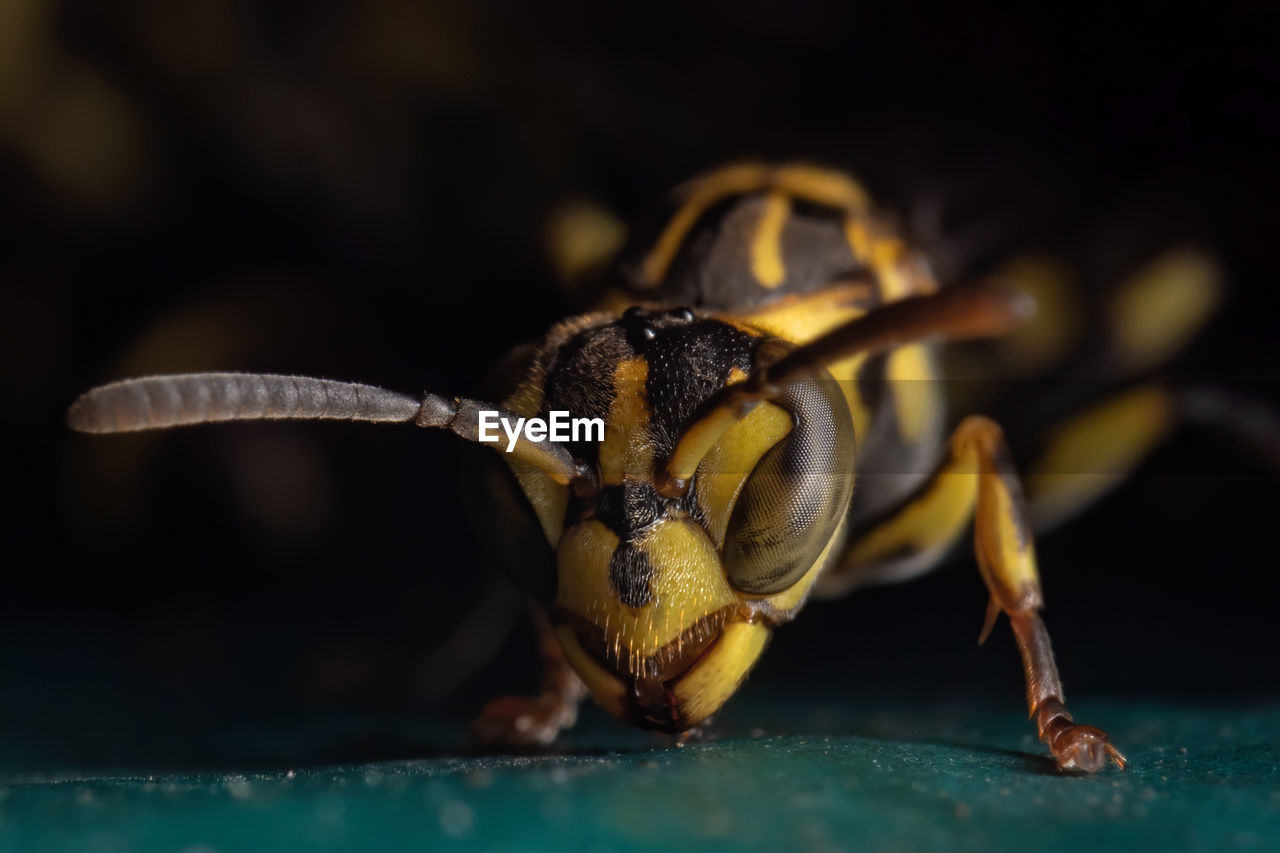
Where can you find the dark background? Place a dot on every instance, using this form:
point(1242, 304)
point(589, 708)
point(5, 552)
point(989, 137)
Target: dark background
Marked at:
point(359, 191)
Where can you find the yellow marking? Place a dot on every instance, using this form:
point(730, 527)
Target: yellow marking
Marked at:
point(886, 259)
point(801, 319)
point(606, 688)
point(855, 232)
point(625, 450)
point(931, 521)
point(915, 400)
point(821, 186)
point(687, 584)
point(728, 464)
point(1163, 305)
point(706, 191)
point(908, 368)
point(714, 678)
point(1093, 451)
point(1002, 542)
point(899, 273)
point(767, 264)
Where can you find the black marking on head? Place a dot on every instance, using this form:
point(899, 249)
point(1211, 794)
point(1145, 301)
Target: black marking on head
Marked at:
point(632, 507)
point(580, 379)
point(689, 360)
point(630, 573)
point(688, 363)
point(623, 509)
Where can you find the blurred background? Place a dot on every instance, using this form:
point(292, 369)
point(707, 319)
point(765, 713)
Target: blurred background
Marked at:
point(363, 191)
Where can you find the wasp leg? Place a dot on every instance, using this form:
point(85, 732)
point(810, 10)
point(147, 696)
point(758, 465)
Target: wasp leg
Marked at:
point(535, 720)
point(978, 480)
point(1087, 455)
point(1090, 453)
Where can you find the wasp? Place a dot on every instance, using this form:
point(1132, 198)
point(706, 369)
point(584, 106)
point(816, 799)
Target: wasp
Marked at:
point(766, 373)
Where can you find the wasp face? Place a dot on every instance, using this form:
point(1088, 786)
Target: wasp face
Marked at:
point(664, 604)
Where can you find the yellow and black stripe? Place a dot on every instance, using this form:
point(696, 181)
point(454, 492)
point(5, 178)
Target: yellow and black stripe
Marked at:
point(739, 237)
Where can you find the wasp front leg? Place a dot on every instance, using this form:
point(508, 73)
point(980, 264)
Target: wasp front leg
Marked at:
point(535, 720)
point(978, 480)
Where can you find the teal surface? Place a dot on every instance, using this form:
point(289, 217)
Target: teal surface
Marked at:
point(964, 778)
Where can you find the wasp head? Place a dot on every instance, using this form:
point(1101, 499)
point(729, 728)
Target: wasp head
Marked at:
point(663, 602)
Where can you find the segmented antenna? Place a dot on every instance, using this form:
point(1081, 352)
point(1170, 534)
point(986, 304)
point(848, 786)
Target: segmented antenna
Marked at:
point(156, 402)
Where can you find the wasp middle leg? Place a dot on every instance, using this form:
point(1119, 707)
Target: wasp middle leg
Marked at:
point(977, 479)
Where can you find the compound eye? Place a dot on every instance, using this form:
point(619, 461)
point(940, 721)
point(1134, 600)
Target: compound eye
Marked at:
point(793, 502)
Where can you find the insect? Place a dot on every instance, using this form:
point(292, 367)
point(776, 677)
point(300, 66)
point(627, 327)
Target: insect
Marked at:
point(765, 372)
